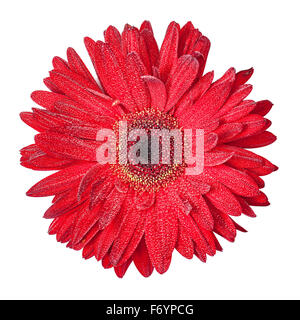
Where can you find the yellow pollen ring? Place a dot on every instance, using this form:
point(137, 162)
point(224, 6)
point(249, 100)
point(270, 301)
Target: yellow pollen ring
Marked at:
point(144, 179)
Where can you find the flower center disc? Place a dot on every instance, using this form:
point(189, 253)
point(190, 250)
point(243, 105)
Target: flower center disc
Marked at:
point(146, 175)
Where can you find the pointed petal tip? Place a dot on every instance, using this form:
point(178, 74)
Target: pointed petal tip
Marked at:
point(30, 193)
point(249, 71)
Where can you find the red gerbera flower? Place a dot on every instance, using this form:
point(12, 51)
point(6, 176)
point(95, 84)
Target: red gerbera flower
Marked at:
point(120, 214)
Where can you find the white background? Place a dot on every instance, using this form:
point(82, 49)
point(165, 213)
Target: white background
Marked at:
point(262, 264)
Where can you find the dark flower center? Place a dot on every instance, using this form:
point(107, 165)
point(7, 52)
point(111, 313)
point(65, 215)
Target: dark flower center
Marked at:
point(149, 148)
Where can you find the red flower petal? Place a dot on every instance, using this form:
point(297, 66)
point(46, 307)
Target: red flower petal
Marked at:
point(161, 234)
point(208, 105)
point(59, 181)
point(157, 91)
point(77, 65)
point(112, 75)
point(68, 147)
point(47, 99)
point(142, 260)
point(184, 75)
point(224, 200)
point(168, 51)
point(184, 243)
point(237, 181)
point(260, 140)
point(242, 77)
point(263, 107)
point(139, 91)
